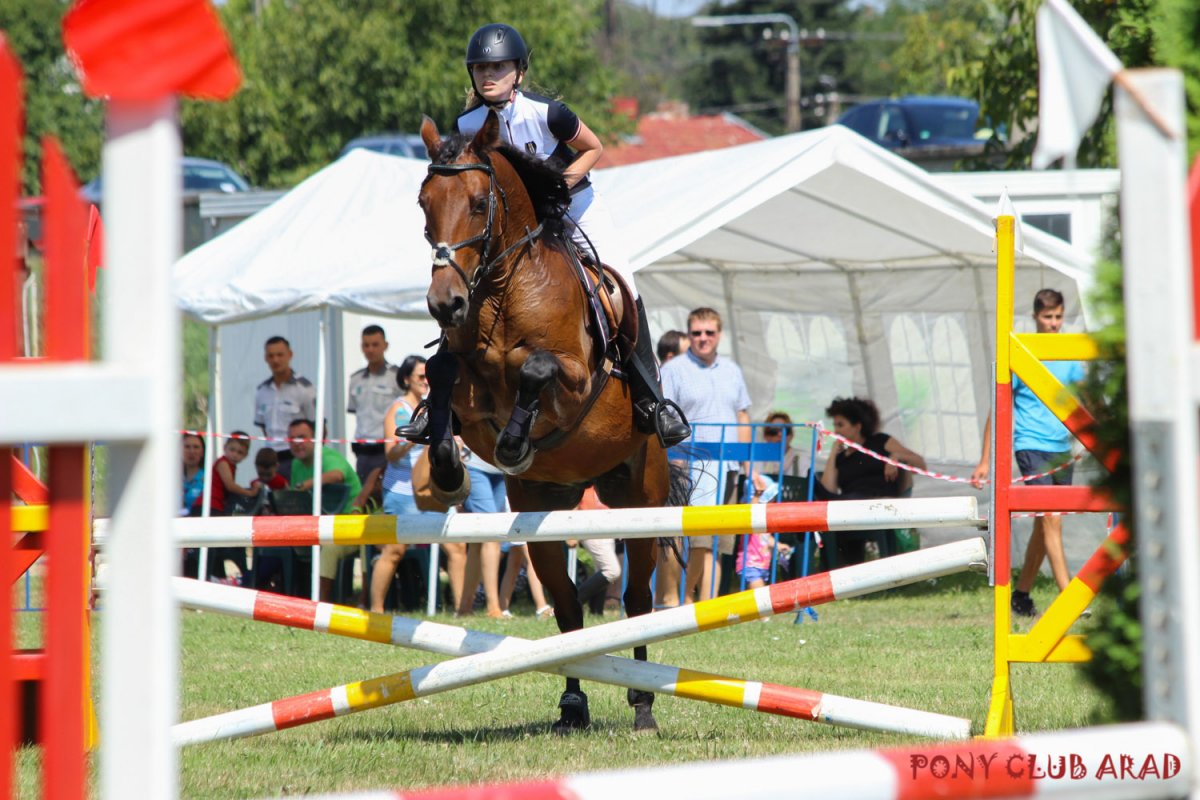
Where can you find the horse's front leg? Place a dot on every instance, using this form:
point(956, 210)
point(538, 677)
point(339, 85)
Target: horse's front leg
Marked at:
point(449, 481)
point(514, 448)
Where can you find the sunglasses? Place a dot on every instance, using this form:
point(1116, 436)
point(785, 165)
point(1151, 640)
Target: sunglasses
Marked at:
point(698, 334)
point(772, 431)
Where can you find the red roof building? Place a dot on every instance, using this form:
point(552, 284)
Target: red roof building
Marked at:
point(672, 131)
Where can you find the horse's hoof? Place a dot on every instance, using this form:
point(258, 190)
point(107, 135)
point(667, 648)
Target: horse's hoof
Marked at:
point(513, 463)
point(643, 714)
point(573, 714)
point(454, 496)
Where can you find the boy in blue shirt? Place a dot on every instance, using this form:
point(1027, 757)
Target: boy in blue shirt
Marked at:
point(1040, 443)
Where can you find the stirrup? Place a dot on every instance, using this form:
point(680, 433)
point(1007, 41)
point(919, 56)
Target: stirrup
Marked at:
point(670, 425)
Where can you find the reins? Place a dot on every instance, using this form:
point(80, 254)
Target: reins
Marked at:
point(443, 254)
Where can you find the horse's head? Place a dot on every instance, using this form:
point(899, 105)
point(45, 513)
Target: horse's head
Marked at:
point(464, 210)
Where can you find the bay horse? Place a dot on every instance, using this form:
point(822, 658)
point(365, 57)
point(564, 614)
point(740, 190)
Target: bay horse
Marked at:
point(514, 314)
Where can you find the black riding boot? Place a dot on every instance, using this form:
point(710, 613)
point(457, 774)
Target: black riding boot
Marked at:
point(433, 420)
point(651, 411)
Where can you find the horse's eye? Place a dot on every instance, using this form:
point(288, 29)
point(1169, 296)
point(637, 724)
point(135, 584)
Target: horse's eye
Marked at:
point(480, 205)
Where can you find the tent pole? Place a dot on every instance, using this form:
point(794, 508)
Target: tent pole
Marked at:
point(319, 444)
point(210, 427)
point(727, 287)
point(860, 332)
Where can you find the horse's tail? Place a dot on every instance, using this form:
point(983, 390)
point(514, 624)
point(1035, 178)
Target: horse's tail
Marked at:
point(679, 486)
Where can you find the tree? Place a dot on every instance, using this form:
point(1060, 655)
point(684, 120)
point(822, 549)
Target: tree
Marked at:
point(321, 72)
point(743, 69)
point(54, 102)
point(1140, 33)
point(940, 36)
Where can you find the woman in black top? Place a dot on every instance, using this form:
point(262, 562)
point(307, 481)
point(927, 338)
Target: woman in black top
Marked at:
point(854, 475)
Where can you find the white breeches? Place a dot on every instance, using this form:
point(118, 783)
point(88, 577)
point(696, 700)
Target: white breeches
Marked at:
point(591, 218)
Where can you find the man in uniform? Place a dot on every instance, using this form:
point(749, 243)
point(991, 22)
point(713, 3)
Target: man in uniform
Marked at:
point(281, 398)
point(372, 390)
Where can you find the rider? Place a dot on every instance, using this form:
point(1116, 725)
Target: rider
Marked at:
point(497, 59)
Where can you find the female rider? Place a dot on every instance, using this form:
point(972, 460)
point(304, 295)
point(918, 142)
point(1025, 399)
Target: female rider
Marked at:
point(497, 60)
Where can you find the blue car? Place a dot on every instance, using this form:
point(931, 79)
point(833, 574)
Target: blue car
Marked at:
point(908, 122)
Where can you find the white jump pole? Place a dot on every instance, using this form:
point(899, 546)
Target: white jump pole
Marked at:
point(587, 642)
point(1023, 767)
point(450, 640)
point(533, 526)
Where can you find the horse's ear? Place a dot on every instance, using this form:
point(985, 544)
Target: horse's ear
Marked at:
point(488, 137)
point(431, 137)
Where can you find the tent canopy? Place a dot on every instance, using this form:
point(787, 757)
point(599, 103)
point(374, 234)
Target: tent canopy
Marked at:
point(838, 268)
point(349, 237)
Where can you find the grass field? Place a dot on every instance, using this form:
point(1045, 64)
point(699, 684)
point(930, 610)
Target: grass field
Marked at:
point(926, 647)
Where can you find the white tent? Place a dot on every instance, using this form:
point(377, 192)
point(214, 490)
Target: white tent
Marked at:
point(349, 237)
point(839, 268)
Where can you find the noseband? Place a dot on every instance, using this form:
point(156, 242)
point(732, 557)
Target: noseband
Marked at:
point(443, 254)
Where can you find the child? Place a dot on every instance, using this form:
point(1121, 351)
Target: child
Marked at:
point(224, 480)
point(266, 464)
point(754, 560)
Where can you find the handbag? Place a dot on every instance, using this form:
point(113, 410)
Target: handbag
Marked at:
point(422, 483)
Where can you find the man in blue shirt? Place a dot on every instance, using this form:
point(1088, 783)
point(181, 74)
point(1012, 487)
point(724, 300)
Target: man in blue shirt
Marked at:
point(1040, 443)
point(708, 389)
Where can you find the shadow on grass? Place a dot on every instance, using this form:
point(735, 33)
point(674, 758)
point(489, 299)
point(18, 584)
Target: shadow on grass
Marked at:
point(495, 735)
point(958, 583)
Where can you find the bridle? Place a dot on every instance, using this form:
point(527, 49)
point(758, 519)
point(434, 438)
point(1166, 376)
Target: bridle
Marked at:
point(443, 254)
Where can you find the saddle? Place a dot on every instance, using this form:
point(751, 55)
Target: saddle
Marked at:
point(613, 311)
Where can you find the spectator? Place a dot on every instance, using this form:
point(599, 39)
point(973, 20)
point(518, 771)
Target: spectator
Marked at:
point(224, 476)
point(1040, 443)
point(518, 557)
point(483, 559)
point(796, 461)
point(266, 464)
point(372, 390)
point(671, 344)
point(193, 470)
point(853, 475)
point(335, 471)
point(282, 398)
point(401, 455)
point(604, 557)
point(225, 492)
point(708, 389)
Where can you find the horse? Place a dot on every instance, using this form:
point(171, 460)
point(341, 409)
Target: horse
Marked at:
point(533, 396)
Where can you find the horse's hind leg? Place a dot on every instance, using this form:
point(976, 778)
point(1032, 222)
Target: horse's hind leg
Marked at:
point(514, 450)
point(639, 600)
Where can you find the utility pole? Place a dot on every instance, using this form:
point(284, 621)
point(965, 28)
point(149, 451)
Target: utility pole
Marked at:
point(792, 119)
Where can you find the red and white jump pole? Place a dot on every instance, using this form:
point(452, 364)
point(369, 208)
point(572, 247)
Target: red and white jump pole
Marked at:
point(1139, 761)
point(577, 645)
point(450, 640)
point(620, 523)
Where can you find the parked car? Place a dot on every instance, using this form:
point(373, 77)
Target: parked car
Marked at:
point(913, 121)
point(408, 145)
point(199, 175)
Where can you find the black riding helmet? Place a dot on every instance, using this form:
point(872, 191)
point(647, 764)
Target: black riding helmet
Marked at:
point(496, 42)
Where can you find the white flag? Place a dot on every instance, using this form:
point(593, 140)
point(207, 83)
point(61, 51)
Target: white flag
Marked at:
point(1075, 70)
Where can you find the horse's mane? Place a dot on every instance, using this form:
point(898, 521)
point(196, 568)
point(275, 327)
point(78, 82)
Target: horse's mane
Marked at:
point(543, 181)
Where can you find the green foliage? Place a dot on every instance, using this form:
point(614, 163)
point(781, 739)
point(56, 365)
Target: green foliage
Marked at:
point(54, 103)
point(319, 73)
point(650, 55)
point(195, 374)
point(1117, 642)
point(1140, 32)
point(741, 71)
point(940, 38)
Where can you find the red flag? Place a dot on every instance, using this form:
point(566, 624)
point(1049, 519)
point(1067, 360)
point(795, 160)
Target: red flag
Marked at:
point(146, 49)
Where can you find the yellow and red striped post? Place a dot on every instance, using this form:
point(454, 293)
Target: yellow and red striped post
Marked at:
point(621, 523)
point(588, 642)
